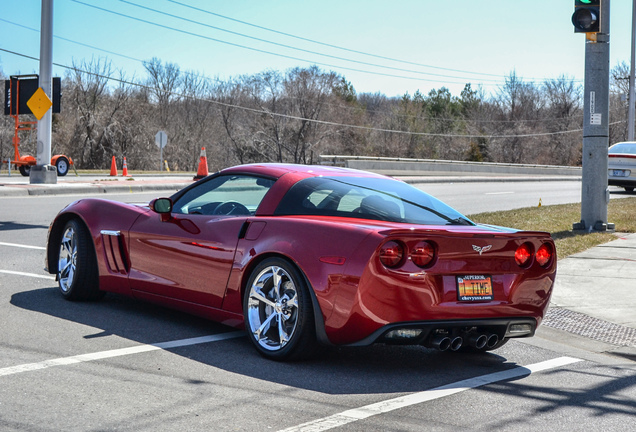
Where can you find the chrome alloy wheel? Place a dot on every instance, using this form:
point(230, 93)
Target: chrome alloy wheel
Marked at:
point(67, 261)
point(272, 313)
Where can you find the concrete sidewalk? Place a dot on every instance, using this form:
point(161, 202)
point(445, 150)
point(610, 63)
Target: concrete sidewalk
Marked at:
point(600, 282)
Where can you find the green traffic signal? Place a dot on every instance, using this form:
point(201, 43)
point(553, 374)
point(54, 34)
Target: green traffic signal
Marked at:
point(587, 16)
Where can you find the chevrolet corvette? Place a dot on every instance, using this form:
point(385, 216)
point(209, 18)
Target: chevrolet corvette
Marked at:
point(305, 256)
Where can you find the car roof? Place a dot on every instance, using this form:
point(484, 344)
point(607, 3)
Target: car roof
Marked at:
point(277, 170)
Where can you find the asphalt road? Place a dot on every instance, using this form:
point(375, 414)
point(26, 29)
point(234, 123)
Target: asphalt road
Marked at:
point(122, 365)
point(473, 198)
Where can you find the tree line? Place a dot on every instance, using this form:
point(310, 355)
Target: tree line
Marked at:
point(302, 113)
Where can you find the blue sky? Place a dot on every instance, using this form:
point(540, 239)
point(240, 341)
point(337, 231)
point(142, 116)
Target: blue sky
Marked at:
point(402, 45)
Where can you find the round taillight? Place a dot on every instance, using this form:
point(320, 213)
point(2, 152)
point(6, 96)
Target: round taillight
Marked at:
point(544, 254)
point(391, 254)
point(423, 254)
point(523, 254)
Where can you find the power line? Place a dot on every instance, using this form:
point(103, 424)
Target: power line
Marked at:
point(261, 50)
point(291, 117)
point(330, 45)
point(292, 47)
point(193, 74)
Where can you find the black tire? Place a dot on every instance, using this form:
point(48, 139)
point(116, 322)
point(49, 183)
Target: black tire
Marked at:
point(62, 166)
point(25, 170)
point(77, 273)
point(629, 188)
point(278, 312)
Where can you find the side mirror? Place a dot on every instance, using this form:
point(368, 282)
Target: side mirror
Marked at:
point(163, 206)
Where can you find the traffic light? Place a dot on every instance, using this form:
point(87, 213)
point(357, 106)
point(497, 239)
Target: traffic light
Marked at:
point(587, 16)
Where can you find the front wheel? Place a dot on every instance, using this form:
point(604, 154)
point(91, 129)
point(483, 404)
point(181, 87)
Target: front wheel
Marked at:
point(77, 272)
point(629, 189)
point(278, 313)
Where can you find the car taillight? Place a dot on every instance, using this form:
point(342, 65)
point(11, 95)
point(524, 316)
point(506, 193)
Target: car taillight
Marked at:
point(391, 254)
point(423, 254)
point(523, 254)
point(544, 254)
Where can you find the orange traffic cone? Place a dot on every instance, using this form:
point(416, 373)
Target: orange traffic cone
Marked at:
point(113, 168)
point(125, 169)
point(202, 171)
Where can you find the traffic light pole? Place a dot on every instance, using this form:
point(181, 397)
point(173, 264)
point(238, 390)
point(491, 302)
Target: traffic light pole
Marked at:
point(43, 171)
point(594, 190)
point(632, 92)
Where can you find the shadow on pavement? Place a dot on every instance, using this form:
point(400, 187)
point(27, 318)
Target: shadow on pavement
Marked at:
point(346, 370)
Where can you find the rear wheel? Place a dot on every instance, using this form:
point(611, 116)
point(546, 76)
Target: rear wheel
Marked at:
point(25, 170)
point(61, 164)
point(629, 188)
point(76, 266)
point(278, 314)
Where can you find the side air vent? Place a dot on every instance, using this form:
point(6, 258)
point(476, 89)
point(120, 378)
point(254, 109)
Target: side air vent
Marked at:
point(115, 251)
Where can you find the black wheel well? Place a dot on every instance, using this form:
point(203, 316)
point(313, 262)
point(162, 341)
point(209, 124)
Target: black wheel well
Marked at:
point(321, 334)
point(255, 262)
point(55, 236)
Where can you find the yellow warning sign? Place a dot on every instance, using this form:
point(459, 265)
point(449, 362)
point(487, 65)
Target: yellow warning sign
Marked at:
point(39, 103)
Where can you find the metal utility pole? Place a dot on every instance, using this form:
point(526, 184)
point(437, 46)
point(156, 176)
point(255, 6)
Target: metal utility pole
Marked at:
point(43, 171)
point(632, 93)
point(594, 191)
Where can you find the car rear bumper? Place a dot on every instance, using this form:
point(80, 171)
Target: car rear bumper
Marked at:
point(428, 333)
point(622, 181)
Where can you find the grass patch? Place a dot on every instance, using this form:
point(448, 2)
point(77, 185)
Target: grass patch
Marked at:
point(558, 220)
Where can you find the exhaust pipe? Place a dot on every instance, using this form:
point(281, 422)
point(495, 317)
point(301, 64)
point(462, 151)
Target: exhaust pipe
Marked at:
point(493, 339)
point(456, 343)
point(441, 342)
point(478, 341)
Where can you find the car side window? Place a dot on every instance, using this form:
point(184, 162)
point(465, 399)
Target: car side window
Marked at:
point(232, 195)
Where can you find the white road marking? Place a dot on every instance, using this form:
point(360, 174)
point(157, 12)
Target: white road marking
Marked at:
point(34, 275)
point(63, 361)
point(22, 246)
point(364, 412)
point(498, 193)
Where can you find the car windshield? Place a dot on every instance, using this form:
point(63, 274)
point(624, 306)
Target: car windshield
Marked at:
point(623, 148)
point(367, 198)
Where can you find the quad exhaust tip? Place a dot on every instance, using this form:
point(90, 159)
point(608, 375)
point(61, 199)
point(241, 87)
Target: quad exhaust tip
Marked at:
point(479, 341)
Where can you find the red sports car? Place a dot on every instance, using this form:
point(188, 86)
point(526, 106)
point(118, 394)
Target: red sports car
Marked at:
point(308, 255)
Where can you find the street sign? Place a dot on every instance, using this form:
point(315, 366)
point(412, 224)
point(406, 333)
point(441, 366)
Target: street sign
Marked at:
point(25, 86)
point(161, 139)
point(39, 103)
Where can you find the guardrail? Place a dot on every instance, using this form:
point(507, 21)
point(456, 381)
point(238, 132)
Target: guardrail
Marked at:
point(436, 167)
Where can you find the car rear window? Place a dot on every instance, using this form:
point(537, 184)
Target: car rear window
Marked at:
point(367, 198)
point(623, 148)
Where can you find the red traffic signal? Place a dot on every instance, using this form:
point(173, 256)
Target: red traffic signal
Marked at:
point(587, 16)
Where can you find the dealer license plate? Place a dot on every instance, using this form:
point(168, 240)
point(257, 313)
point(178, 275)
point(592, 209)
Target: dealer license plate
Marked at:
point(618, 173)
point(474, 288)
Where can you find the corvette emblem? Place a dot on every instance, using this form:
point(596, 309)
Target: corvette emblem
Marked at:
point(481, 250)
